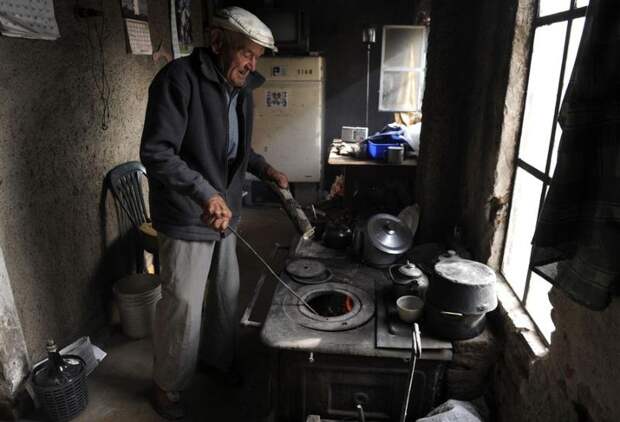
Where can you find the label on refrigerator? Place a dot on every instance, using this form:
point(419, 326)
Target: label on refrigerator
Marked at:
point(276, 98)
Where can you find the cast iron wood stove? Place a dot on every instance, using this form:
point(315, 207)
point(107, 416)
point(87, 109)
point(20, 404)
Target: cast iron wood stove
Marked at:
point(328, 365)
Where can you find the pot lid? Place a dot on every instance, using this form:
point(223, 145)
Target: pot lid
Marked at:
point(410, 270)
point(305, 268)
point(464, 271)
point(388, 234)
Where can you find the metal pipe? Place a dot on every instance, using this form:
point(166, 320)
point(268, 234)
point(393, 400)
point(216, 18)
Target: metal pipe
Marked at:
point(368, 38)
point(367, 82)
point(260, 258)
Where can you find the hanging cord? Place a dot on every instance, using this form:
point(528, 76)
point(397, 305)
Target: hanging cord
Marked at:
point(96, 34)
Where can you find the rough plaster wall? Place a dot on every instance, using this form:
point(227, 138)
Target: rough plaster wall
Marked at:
point(579, 378)
point(513, 108)
point(14, 365)
point(584, 355)
point(54, 158)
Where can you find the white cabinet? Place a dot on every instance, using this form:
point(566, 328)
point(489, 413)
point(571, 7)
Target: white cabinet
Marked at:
point(288, 115)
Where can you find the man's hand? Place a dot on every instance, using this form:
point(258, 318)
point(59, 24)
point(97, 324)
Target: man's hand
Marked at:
point(216, 213)
point(277, 176)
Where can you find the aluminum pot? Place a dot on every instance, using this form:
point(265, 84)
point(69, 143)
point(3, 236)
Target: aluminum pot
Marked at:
point(463, 286)
point(453, 325)
point(383, 240)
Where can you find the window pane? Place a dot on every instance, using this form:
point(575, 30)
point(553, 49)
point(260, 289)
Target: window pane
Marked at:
point(573, 46)
point(401, 91)
point(404, 47)
point(554, 153)
point(538, 305)
point(581, 3)
point(548, 7)
point(542, 94)
point(523, 215)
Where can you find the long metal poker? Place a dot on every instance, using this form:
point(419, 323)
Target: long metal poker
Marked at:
point(233, 231)
point(416, 352)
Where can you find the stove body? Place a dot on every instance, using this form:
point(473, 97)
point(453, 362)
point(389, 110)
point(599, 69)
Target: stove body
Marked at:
point(332, 386)
point(327, 368)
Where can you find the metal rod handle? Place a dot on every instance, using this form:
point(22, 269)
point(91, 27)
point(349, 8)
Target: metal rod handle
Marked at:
point(260, 258)
point(360, 413)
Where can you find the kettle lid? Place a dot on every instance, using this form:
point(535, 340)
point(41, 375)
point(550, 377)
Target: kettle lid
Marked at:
point(410, 270)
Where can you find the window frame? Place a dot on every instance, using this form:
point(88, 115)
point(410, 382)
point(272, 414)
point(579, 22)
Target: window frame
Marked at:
point(397, 69)
point(567, 16)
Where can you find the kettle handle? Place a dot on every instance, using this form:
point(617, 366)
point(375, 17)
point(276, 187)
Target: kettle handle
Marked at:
point(358, 241)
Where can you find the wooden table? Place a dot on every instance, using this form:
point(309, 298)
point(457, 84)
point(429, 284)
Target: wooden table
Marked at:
point(335, 159)
point(361, 171)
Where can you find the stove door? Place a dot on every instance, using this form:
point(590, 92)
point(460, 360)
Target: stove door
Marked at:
point(333, 385)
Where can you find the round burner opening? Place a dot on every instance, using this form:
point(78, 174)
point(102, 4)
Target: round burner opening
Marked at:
point(340, 306)
point(331, 303)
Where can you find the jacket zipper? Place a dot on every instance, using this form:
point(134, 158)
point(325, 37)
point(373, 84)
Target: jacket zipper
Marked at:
point(227, 97)
point(240, 132)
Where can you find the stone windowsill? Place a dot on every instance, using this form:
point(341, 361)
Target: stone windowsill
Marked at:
point(516, 320)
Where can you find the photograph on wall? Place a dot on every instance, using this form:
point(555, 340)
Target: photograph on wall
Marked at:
point(136, 16)
point(181, 27)
point(135, 9)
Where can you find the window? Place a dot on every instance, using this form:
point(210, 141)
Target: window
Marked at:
point(403, 61)
point(558, 29)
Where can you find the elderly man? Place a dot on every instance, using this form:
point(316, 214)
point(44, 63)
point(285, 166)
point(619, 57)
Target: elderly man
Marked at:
point(196, 148)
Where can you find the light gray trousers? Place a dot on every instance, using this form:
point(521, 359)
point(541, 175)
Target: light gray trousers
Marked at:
point(179, 318)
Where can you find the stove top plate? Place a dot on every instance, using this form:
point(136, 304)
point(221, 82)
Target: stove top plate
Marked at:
point(306, 268)
point(357, 307)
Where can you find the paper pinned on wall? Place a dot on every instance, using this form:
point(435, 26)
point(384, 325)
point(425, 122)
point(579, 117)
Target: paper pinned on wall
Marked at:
point(32, 19)
point(136, 16)
point(139, 37)
point(276, 98)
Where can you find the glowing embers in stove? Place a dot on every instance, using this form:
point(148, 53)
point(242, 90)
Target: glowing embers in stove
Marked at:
point(331, 304)
point(340, 306)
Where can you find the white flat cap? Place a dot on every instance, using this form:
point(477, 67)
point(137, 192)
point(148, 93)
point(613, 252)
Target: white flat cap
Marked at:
point(240, 20)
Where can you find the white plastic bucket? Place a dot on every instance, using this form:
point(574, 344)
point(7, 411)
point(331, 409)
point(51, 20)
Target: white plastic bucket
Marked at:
point(136, 296)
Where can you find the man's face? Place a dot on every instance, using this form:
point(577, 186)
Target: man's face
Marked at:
point(239, 62)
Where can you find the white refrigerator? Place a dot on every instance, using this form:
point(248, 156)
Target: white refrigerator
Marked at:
point(288, 115)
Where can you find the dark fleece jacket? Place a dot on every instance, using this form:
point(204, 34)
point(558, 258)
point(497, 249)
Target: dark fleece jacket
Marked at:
point(184, 146)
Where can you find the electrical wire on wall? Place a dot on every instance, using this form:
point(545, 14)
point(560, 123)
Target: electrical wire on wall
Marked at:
point(96, 32)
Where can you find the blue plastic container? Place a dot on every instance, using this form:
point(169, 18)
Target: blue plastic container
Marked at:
point(377, 149)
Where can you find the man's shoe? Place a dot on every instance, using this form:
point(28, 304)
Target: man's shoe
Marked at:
point(230, 377)
point(167, 404)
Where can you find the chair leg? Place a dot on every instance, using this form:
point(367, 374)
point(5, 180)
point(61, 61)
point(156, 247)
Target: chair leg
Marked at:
point(156, 261)
point(140, 267)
